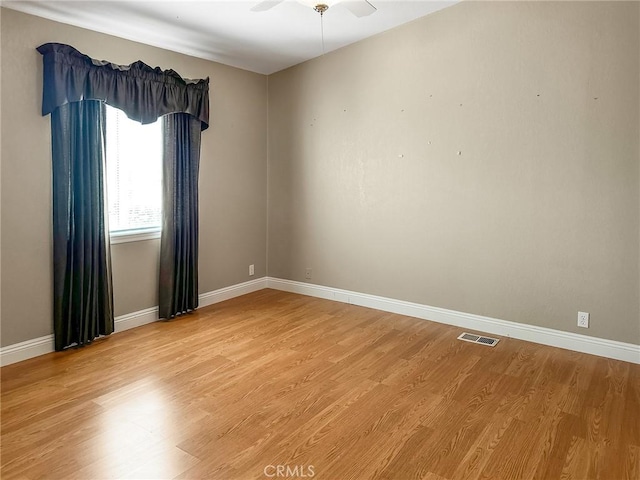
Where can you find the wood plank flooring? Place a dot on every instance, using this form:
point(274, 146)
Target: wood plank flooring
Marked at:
point(277, 385)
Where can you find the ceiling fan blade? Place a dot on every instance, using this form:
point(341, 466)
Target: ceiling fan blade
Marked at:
point(265, 5)
point(360, 8)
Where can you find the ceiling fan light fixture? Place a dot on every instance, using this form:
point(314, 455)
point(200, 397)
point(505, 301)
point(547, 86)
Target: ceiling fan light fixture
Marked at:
point(360, 8)
point(313, 3)
point(321, 8)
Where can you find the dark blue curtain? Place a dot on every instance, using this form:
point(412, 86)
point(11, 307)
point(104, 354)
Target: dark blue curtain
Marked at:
point(142, 92)
point(178, 289)
point(83, 299)
point(75, 87)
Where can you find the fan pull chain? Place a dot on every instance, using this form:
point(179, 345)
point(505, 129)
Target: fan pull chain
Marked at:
point(322, 30)
point(321, 8)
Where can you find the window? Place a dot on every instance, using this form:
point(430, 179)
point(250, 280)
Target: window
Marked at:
point(134, 177)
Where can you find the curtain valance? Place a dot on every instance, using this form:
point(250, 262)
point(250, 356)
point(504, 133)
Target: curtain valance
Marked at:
point(142, 92)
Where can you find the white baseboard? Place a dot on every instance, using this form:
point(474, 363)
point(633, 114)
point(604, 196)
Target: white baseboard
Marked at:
point(25, 350)
point(233, 291)
point(40, 346)
point(135, 319)
point(571, 341)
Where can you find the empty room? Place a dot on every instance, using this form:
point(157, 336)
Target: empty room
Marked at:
point(365, 239)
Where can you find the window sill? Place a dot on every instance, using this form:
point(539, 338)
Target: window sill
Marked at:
point(133, 236)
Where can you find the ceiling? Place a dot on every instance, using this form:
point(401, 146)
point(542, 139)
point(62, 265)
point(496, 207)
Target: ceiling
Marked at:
point(227, 31)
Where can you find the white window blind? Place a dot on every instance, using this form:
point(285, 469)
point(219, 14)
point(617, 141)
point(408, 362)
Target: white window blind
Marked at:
point(134, 174)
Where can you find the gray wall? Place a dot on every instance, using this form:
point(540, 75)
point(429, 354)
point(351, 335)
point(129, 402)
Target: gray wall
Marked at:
point(232, 177)
point(536, 218)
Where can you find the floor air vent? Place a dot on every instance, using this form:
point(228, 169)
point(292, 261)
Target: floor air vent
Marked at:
point(470, 337)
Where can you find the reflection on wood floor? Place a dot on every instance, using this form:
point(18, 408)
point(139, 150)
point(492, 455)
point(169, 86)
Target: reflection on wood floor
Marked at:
point(274, 385)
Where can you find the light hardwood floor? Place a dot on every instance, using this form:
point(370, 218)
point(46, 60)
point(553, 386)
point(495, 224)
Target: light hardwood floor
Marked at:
point(340, 391)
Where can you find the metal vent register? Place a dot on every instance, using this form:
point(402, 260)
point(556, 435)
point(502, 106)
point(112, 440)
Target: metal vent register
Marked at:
point(470, 337)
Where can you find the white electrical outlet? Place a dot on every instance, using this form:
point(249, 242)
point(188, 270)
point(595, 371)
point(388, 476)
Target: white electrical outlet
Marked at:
point(307, 274)
point(251, 270)
point(583, 319)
